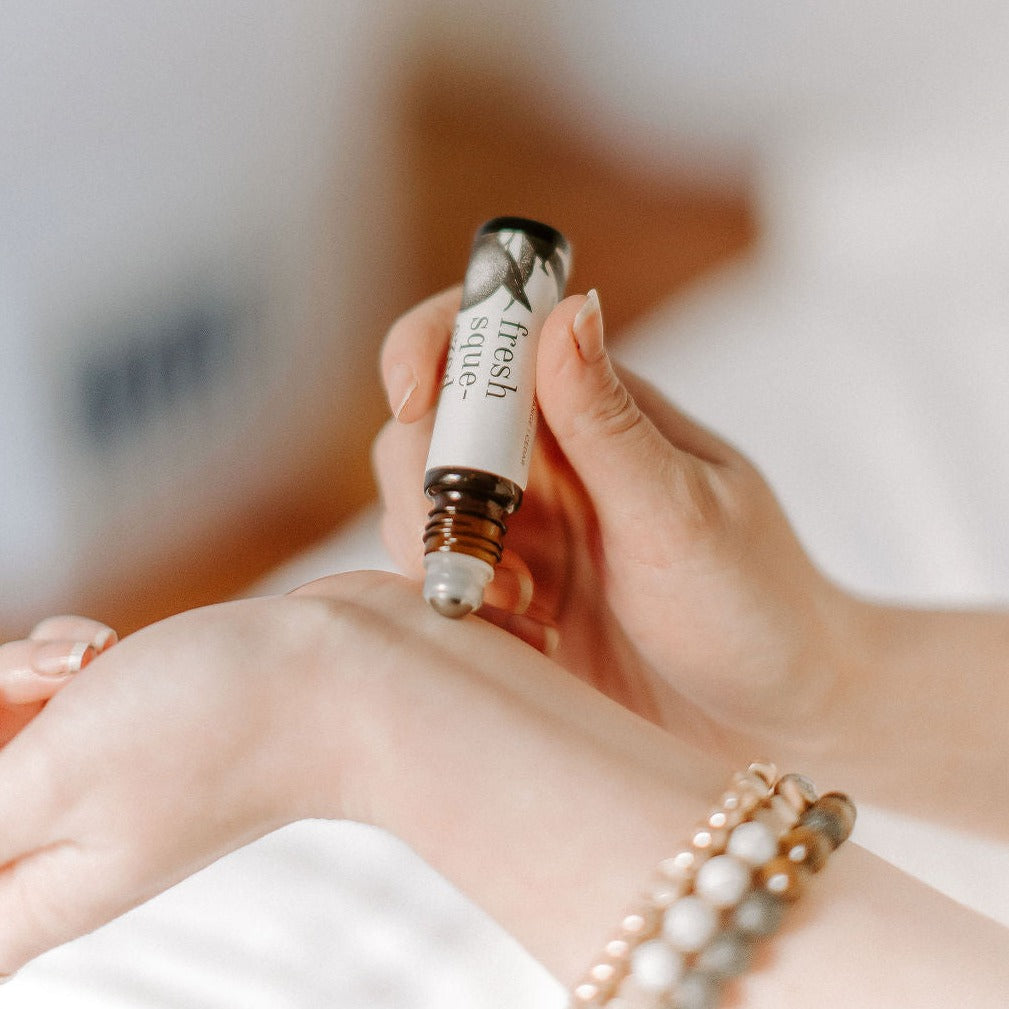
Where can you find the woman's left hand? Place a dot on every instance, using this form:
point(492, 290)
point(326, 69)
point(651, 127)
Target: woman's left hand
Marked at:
point(349, 699)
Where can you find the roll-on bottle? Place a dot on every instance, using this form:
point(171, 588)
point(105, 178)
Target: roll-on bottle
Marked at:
point(485, 423)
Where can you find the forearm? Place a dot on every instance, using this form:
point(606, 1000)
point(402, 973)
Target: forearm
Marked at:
point(557, 831)
point(564, 851)
point(546, 802)
point(867, 935)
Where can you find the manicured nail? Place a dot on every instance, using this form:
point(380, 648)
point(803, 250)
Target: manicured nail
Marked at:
point(516, 588)
point(402, 383)
point(588, 329)
point(525, 592)
point(104, 639)
point(551, 641)
point(58, 658)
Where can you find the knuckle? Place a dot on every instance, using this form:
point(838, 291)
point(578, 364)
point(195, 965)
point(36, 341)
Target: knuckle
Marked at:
point(700, 502)
point(617, 412)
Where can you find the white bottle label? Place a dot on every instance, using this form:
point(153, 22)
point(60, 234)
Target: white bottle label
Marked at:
point(486, 417)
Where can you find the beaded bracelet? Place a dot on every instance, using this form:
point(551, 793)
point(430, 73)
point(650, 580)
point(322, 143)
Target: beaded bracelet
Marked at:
point(708, 905)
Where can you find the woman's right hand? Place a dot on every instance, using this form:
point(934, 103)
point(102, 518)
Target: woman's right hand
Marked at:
point(677, 586)
point(654, 549)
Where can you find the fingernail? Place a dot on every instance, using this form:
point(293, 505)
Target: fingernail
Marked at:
point(57, 658)
point(104, 639)
point(588, 329)
point(551, 641)
point(401, 386)
point(525, 592)
point(511, 590)
point(518, 587)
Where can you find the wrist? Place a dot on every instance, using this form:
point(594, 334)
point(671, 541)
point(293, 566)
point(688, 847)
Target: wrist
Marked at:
point(320, 711)
point(819, 727)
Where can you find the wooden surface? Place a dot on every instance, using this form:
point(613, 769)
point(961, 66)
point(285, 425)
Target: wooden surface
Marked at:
point(477, 150)
point(470, 150)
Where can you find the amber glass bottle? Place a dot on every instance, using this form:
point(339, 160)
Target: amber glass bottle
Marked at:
point(486, 420)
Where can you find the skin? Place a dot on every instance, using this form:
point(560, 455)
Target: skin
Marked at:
point(545, 788)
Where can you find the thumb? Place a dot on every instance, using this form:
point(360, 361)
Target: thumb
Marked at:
point(636, 477)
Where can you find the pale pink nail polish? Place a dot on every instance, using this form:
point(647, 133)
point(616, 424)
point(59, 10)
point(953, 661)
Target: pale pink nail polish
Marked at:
point(104, 639)
point(526, 589)
point(58, 658)
point(402, 385)
point(551, 641)
point(588, 328)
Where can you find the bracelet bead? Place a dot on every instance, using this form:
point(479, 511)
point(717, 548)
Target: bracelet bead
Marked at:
point(640, 924)
point(759, 913)
point(728, 955)
point(720, 818)
point(797, 790)
point(826, 822)
point(753, 842)
point(722, 880)
point(766, 771)
point(806, 847)
point(698, 990)
point(777, 814)
point(689, 924)
point(709, 840)
point(708, 905)
point(683, 865)
point(663, 891)
point(832, 814)
point(783, 877)
point(656, 966)
point(750, 789)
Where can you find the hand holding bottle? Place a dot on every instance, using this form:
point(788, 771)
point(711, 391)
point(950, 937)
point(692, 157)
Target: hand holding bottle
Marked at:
point(655, 550)
point(663, 561)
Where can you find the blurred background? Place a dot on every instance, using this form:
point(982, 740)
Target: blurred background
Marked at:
point(798, 220)
point(210, 213)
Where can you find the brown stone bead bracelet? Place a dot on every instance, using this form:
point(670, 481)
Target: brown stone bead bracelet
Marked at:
point(708, 905)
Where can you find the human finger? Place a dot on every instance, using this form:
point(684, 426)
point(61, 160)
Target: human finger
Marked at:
point(413, 355)
point(398, 455)
point(511, 588)
point(32, 671)
point(542, 635)
point(74, 628)
point(637, 476)
point(676, 426)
